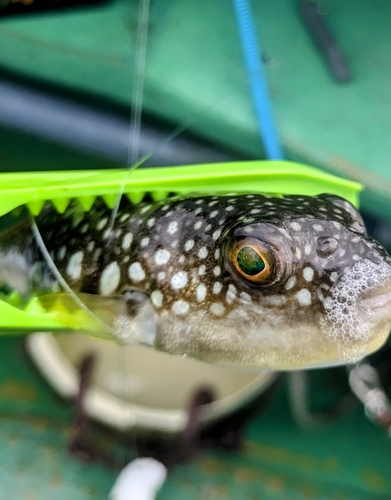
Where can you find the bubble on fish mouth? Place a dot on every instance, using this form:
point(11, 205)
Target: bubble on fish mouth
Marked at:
point(348, 318)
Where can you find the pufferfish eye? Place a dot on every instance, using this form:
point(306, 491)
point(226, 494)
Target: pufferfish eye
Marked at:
point(253, 260)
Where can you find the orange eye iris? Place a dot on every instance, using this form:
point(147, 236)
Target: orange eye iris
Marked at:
point(252, 259)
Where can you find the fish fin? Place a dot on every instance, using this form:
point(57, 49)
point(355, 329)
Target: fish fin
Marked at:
point(125, 318)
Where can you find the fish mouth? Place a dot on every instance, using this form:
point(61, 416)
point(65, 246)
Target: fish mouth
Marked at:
point(378, 302)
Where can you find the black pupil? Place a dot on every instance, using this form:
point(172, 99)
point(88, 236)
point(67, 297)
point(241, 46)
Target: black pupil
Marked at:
point(250, 262)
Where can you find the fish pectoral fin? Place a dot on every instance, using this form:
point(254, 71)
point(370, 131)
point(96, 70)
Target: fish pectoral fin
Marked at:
point(128, 317)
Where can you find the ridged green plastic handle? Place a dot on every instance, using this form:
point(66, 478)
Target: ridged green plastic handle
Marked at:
point(35, 188)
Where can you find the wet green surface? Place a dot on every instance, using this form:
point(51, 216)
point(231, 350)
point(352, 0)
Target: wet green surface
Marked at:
point(350, 459)
point(195, 74)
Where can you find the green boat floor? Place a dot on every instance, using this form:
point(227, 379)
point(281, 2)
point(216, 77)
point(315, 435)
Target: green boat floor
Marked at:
point(347, 460)
point(195, 74)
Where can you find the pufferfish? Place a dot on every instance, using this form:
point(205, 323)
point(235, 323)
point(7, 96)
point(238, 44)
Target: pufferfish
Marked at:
point(262, 282)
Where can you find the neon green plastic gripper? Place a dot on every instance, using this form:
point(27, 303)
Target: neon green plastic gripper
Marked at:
point(35, 188)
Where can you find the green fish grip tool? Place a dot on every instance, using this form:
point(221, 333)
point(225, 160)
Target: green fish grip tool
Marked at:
point(34, 189)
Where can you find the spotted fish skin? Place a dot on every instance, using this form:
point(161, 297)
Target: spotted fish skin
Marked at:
point(316, 311)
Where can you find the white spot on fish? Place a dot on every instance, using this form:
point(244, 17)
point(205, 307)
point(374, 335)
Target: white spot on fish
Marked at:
point(201, 292)
point(180, 307)
point(202, 253)
point(162, 256)
point(308, 273)
point(304, 297)
point(290, 283)
point(231, 294)
point(151, 222)
point(198, 225)
point(217, 308)
point(90, 246)
point(181, 259)
point(296, 226)
point(318, 227)
point(84, 228)
point(127, 241)
point(333, 276)
point(161, 275)
point(189, 245)
point(109, 279)
point(307, 249)
point(101, 224)
point(172, 227)
point(157, 298)
point(62, 252)
point(144, 242)
point(201, 270)
point(179, 280)
point(73, 269)
point(217, 253)
point(275, 300)
point(145, 209)
point(216, 234)
point(213, 214)
point(245, 297)
point(136, 272)
point(217, 270)
point(217, 287)
point(124, 217)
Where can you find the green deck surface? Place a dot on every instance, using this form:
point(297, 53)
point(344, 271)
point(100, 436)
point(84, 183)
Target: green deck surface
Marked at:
point(195, 74)
point(348, 460)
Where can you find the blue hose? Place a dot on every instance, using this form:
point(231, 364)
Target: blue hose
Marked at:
point(263, 109)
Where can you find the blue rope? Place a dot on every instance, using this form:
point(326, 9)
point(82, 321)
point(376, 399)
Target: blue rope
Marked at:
point(263, 109)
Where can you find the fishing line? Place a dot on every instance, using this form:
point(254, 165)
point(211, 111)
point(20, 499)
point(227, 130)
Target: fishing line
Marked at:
point(60, 278)
point(133, 152)
point(136, 104)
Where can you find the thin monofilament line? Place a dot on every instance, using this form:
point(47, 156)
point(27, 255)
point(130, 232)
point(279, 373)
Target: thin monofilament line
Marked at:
point(139, 81)
point(137, 103)
point(46, 255)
